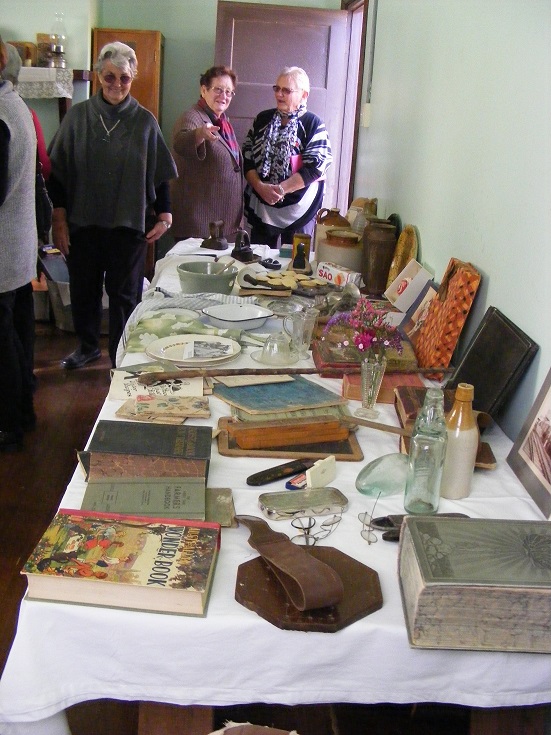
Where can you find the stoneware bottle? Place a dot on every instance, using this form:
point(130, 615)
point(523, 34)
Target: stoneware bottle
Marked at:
point(463, 438)
point(326, 218)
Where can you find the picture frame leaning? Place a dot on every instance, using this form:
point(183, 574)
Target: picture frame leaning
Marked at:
point(530, 455)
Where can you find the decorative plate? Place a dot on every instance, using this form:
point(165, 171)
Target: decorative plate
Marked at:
point(213, 349)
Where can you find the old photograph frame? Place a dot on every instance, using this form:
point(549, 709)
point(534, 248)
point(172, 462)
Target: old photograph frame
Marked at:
point(530, 456)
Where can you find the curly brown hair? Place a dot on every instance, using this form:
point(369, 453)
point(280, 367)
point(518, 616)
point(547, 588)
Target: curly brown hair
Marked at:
point(217, 71)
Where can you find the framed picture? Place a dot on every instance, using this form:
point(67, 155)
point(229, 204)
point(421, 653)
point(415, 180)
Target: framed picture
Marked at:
point(530, 456)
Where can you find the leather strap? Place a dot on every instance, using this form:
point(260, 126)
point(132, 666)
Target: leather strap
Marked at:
point(308, 582)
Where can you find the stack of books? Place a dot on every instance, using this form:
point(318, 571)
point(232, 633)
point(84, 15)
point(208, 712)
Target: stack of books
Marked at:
point(160, 470)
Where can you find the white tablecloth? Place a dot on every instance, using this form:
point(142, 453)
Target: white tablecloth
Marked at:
point(64, 654)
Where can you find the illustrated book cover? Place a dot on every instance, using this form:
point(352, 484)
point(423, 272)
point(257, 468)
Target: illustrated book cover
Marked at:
point(132, 449)
point(494, 361)
point(123, 561)
point(476, 583)
point(165, 409)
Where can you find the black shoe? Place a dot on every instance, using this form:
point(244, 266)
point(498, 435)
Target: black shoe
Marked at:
point(79, 358)
point(10, 441)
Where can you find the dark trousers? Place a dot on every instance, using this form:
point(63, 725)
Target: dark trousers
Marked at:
point(17, 359)
point(268, 235)
point(116, 258)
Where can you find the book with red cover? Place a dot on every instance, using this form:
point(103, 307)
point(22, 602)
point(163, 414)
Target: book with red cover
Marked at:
point(125, 561)
point(351, 385)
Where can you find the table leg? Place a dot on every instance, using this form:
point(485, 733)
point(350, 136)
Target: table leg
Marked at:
point(170, 719)
point(510, 720)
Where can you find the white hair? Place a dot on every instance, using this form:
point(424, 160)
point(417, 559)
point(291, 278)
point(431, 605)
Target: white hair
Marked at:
point(299, 76)
point(119, 54)
point(13, 65)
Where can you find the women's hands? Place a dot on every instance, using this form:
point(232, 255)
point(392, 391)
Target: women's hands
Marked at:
point(207, 132)
point(270, 193)
point(60, 231)
point(158, 229)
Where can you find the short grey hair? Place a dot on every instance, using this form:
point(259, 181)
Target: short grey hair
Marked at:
point(119, 54)
point(13, 64)
point(299, 75)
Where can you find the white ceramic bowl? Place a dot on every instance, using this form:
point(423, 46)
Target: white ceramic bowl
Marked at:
point(240, 316)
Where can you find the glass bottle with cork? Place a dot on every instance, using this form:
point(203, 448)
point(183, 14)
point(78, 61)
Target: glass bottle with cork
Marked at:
point(463, 439)
point(426, 456)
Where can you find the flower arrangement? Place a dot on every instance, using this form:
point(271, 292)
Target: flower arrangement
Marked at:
point(371, 333)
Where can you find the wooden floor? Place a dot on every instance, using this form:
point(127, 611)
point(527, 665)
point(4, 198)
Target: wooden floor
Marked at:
point(32, 483)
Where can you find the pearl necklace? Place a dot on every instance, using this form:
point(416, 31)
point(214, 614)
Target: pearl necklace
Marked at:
point(108, 131)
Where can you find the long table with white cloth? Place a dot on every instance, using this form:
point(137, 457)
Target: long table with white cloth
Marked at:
point(64, 654)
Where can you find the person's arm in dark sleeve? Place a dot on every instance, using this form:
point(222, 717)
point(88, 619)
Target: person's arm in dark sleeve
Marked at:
point(4, 160)
point(163, 210)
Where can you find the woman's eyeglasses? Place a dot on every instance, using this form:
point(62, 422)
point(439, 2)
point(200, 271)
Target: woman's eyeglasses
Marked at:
point(284, 90)
point(305, 524)
point(219, 90)
point(111, 78)
point(366, 519)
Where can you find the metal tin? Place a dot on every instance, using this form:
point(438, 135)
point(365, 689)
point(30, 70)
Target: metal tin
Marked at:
point(315, 501)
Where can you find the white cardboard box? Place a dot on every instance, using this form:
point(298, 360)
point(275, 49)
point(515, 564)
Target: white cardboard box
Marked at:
point(407, 286)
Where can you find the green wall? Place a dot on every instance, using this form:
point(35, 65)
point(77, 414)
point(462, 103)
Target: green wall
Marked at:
point(189, 29)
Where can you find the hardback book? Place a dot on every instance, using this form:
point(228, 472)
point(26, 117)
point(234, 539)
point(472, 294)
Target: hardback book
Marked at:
point(476, 583)
point(168, 498)
point(494, 361)
point(352, 385)
point(333, 361)
point(131, 449)
point(124, 561)
point(278, 397)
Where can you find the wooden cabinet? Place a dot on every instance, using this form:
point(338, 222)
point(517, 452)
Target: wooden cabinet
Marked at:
point(148, 45)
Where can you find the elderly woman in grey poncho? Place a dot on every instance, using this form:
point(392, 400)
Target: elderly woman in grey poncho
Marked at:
point(109, 186)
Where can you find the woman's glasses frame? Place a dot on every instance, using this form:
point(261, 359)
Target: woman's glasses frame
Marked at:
point(305, 524)
point(284, 90)
point(124, 79)
point(221, 90)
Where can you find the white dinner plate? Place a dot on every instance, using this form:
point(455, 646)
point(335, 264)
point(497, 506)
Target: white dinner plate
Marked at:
point(172, 349)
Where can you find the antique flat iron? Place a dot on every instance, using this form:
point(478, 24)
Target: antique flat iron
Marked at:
point(215, 241)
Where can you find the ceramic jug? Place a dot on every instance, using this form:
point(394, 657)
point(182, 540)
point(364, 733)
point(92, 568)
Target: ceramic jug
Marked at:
point(326, 218)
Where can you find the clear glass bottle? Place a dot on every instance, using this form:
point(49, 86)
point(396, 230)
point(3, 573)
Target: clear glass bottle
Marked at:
point(426, 456)
point(463, 438)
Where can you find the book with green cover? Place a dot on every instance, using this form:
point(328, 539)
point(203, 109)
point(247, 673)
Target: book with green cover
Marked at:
point(476, 583)
point(125, 561)
point(171, 497)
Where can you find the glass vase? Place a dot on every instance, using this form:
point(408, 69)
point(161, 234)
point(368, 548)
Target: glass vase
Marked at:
point(372, 371)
